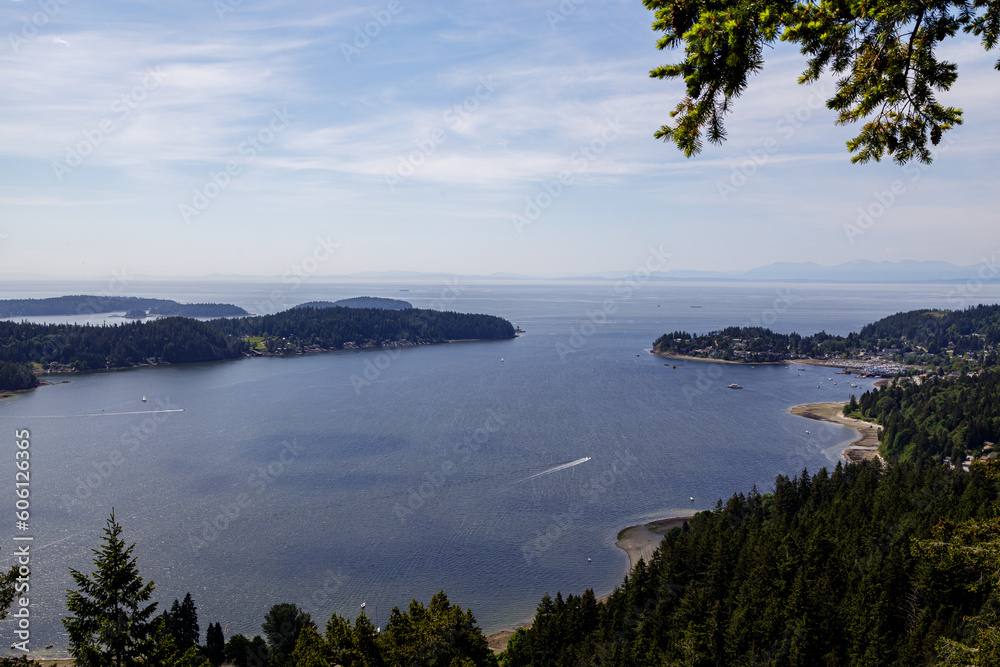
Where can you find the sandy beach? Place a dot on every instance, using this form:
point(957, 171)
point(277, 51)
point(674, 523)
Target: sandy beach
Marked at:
point(640, 542)
point(637, 541)
point(862, 448)
point(685, 357)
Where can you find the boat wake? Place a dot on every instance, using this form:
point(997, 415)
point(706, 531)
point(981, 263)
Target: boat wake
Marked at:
point(557, 468)
point(105, 414)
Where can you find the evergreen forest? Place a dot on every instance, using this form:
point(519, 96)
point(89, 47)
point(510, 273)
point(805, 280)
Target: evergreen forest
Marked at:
point(25, 347)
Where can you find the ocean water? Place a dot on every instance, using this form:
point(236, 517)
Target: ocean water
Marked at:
point(333, 479)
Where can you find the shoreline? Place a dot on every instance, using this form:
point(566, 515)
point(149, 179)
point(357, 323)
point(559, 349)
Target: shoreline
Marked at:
point(686, 357)
point(864, 446)
point(641, 541)
point(252, 354)
point(844, 364)
point(638, 542)
point(11, 393)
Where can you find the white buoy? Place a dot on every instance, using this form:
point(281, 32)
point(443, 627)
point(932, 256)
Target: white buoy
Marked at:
point(692, 498)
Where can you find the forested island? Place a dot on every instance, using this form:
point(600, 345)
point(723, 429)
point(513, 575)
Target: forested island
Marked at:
point(360, 302)
point(26, 347)
point(135, 307)
point(952, 339)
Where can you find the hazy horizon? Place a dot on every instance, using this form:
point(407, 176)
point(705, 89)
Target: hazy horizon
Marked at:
point(196, 139)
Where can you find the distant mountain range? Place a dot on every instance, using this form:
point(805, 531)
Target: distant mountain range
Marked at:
point(860, 271)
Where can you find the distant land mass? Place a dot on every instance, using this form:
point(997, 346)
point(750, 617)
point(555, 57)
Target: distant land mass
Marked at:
point(857, 271)
point(360, 302)
point(135, 307)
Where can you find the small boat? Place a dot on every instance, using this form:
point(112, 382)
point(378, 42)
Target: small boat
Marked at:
point(734, 386)
point(143, 399)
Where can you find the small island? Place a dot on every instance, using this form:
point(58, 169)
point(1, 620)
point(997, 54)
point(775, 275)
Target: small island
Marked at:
point(360, 302)
point(134, 307)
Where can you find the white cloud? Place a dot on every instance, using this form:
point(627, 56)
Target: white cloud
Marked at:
point(554, 91)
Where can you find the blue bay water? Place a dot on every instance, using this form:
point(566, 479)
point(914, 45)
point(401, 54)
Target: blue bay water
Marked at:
point(333, 479)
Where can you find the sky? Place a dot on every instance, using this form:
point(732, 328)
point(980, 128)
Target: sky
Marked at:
point(245, 137)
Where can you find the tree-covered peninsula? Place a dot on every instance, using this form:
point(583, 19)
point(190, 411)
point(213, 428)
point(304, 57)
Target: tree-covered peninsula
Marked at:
point(952, 339)
point(173, 340)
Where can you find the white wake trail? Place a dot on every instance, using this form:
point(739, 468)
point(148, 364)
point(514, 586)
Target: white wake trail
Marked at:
point(557, 468)
point(104, 414)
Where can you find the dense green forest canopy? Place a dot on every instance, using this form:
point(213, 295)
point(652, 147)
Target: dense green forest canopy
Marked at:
point(176, 340)
point(935, 417)
point(90, 305)
point(843, 568)
point(86, 347)
point(930, 337)
point(14, 376)
point(335, 328)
